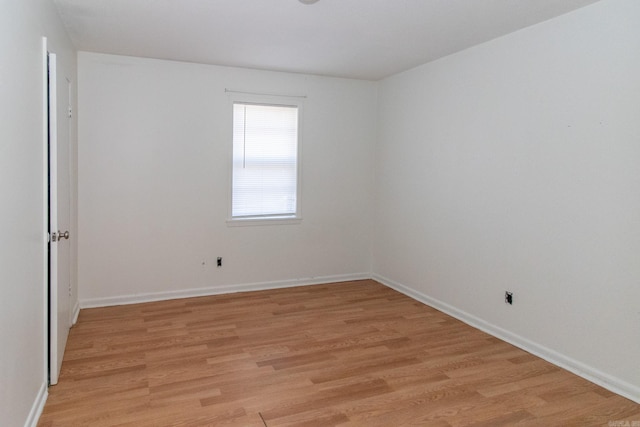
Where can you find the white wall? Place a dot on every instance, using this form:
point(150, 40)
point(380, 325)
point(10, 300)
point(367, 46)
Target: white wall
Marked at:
point(154, 158)
point(22, 254)
point(515, 165)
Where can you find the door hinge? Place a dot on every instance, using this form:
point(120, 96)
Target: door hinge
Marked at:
point(70, 112)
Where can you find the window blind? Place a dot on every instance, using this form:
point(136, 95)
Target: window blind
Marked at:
point(265, 161)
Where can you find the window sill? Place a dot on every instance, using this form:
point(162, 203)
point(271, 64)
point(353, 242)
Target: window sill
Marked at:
point(242, 222)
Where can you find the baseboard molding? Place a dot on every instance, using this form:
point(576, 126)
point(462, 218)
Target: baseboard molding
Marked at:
point(229, 289)
point(76, 313)
point(37, 407)
point(587, 372)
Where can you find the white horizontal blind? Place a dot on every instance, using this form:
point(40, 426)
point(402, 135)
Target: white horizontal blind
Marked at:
point(265, 161)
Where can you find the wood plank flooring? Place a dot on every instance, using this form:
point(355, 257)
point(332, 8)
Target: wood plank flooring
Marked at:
point(343, 354)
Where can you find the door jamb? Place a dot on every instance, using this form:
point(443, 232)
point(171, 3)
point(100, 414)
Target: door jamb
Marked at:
point(50, 212)
point(45, 204)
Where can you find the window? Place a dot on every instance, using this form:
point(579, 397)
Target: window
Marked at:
point(265, 171)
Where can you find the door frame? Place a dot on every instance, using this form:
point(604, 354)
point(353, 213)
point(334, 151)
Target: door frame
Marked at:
point(45, 203)
point(51, 171)
point(55, 326)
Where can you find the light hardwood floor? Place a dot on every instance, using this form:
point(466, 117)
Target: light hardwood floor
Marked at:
point(347, 354)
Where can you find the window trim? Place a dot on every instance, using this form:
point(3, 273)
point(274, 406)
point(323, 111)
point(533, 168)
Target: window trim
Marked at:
point(266, 100)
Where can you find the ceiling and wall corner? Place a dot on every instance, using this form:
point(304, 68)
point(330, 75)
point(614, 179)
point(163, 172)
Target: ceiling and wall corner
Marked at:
point(361, 39)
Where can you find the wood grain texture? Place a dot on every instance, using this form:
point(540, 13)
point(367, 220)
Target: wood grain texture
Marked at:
point(347, 354)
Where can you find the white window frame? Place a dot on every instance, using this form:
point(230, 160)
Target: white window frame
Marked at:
point(267, 100)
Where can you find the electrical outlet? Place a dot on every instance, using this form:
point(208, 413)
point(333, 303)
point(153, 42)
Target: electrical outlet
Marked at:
point(219, 261)
point(508, 297)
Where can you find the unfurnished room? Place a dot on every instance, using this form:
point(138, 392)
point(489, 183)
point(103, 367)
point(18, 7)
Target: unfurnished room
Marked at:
point(272, 213)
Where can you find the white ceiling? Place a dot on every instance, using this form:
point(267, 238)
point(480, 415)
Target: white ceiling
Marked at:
point(364, 39)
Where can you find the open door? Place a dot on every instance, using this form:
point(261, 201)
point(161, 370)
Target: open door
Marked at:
point(59, 289)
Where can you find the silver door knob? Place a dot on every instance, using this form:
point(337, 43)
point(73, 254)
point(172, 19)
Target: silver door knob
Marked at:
point(61, 235)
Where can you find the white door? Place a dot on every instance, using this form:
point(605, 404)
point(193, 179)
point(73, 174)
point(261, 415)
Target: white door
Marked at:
point(59, 217)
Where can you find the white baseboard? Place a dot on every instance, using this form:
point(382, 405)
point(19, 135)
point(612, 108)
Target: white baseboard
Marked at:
point(587, 372)
point(37, 407)
point(76, 313)
point(229, 289)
